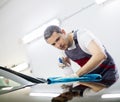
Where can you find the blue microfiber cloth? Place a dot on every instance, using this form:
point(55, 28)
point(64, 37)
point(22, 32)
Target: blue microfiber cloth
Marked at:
point(84, 78)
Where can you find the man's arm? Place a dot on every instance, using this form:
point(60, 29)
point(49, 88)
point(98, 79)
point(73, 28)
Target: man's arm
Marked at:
point(98, 56)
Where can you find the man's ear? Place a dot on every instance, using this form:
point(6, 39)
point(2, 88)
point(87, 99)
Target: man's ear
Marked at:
point(63, 31)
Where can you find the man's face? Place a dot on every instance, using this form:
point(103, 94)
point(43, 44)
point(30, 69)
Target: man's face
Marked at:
point(58, 40)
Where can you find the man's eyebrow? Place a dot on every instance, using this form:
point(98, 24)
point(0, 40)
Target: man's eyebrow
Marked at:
point(53, 44)
point(56, 40)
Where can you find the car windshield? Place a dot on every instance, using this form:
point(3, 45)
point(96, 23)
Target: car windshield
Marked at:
point(6, 84)
point(11, 80)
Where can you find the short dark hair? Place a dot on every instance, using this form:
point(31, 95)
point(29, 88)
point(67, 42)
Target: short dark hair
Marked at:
point(50, 29)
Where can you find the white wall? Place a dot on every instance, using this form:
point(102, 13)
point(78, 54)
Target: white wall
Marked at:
point(102, 20)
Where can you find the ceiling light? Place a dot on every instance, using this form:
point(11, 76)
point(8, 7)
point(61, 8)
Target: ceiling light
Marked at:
point(37, 33)
point(100, 1)
point(7, 88)
point(21, 67)
point(1, 77)
point(110, 96)
point(44, 94)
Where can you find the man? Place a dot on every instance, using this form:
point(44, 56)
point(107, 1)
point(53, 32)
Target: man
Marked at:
point(87, 51)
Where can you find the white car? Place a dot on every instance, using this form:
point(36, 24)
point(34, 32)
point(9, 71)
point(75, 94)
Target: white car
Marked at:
point(18, 87)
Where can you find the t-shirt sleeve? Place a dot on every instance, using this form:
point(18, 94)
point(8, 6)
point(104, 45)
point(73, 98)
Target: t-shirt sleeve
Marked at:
point(85, 37)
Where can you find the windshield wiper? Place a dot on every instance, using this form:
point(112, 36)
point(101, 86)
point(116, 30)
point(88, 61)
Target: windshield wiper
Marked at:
point(29, 78)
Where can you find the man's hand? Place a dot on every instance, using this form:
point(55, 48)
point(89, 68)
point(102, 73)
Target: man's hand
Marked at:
point(63, 63)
